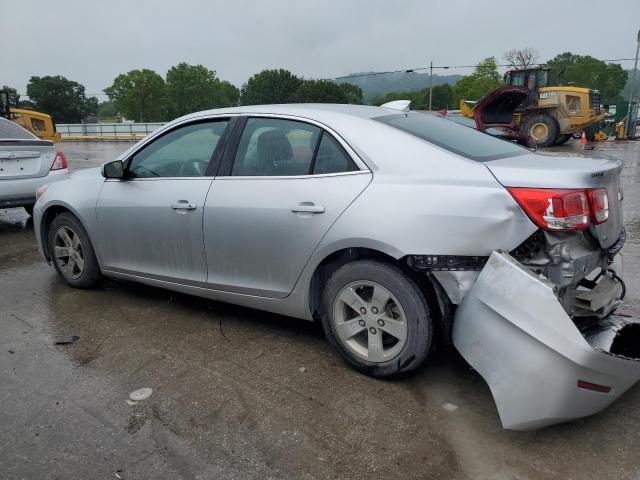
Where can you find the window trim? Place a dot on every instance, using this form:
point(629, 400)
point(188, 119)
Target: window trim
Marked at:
point(228, 161)
point(214, 161)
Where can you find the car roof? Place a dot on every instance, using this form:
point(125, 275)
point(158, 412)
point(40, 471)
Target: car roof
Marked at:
point(13, 131)
point(309, 110)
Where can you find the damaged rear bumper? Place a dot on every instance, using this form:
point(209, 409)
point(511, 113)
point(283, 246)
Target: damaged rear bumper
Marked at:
point(540, 367)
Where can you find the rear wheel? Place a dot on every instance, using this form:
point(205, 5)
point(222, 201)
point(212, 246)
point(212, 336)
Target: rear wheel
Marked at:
point(72, 253)
point(542, 129)
point(563, 138)
point(377, 318)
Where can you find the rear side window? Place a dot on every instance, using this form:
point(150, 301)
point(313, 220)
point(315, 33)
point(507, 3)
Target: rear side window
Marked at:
point(452, 136)
point(273, 147)
point(331, 158)
point(9, 130)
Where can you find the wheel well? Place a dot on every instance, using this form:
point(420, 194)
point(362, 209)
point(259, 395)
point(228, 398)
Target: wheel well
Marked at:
point(47, 217)
point(437, 300)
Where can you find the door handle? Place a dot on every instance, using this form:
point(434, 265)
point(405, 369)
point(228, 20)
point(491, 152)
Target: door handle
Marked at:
point(307, 207)
point(183, 205)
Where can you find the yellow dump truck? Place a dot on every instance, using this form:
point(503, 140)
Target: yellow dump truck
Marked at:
point(529, 109)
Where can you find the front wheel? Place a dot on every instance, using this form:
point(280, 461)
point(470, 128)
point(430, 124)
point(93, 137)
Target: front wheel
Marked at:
point(541, 129)
point(72, 252)
point(377, 318)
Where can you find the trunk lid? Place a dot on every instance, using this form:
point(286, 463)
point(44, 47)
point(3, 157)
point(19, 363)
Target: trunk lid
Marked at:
point(25, 158)
point(542, 171)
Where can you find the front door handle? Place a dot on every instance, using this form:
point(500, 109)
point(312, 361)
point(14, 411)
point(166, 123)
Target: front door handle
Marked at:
point(307, 207)
point(184, 205)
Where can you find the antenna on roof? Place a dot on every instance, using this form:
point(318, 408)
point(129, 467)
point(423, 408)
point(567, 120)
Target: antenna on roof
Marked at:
point(402, 105)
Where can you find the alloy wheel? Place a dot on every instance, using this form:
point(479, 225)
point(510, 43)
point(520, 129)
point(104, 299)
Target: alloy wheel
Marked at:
point(369, 321)
point(67, 251)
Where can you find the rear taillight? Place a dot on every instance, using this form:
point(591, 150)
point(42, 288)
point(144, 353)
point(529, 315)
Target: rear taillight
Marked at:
point(59, 162)
point(599, 201)
point(563, 210)
point(554, 209)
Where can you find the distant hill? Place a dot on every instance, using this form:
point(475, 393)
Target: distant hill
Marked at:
point(374, 86)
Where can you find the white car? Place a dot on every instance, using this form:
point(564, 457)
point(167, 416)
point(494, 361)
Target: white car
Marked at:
point(26, 164)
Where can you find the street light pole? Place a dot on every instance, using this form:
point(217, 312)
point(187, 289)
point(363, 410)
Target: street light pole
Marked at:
point(630, 133)
point(431, 82)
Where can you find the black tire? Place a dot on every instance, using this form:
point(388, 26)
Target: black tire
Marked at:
point(419, 324)
point(536, 122)
point(28, 209)
point(90, 275)
point(563, 138)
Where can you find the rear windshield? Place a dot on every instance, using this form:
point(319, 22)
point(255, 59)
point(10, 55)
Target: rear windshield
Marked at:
point(453, 136)
point(11, 131)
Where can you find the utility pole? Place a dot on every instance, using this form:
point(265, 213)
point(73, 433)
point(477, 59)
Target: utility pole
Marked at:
point(431, 80)
point(631, 130)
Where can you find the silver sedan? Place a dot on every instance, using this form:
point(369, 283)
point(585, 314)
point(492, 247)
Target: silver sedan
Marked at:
point(26, 164)
point(397, 230)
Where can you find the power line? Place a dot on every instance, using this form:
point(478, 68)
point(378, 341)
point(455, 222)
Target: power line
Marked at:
point(446, 67)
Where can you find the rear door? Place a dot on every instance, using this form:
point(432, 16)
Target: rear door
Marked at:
point(151, 222)
point(282, 185)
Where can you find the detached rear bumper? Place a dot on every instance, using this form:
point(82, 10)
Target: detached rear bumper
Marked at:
point(541, 369)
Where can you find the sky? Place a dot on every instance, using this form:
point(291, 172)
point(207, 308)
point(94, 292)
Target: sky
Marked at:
point(92, 42)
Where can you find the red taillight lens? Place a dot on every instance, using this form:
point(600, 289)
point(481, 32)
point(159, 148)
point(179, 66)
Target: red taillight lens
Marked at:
point(59, 162)
point(599, 201)
point(554, 209)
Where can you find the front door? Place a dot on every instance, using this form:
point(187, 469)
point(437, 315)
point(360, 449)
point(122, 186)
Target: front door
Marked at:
point(288, 183)
point(151, 222)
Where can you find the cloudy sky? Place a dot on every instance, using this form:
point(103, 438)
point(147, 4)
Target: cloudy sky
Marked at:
point(91, 42)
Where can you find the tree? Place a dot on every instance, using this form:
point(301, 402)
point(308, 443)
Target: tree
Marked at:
point(61, 98)
point(91, 106)
point(442, 97)
point(12, 94)
point(107, 110)
point(269, 86)
point(483, 80)
point(139, 95)
point(353, 93)
point(523, 58)
point(586, 71)
point(191, 88)
point(319, 91)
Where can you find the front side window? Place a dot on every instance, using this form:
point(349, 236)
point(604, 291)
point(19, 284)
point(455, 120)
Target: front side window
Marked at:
point(183, 152)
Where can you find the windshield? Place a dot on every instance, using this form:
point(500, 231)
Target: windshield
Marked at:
point(453, 136)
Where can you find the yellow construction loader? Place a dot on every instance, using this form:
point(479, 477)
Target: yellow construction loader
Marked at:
point(531, 110)
point(40, 124)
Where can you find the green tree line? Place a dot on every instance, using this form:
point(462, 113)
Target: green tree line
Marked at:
point(146, 96)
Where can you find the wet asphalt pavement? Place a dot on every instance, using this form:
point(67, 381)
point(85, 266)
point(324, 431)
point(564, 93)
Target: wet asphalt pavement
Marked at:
point(239, 393)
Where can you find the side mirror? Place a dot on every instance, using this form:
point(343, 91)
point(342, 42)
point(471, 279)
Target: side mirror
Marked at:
point(113, 169)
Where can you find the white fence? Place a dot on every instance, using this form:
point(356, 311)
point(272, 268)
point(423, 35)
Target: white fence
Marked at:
point(106, 129)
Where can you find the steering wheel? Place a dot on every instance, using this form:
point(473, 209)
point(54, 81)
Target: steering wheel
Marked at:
point(194, 167)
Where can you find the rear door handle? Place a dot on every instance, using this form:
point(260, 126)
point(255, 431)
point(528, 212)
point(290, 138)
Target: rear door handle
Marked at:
point(183, 205)
point(307, 207)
